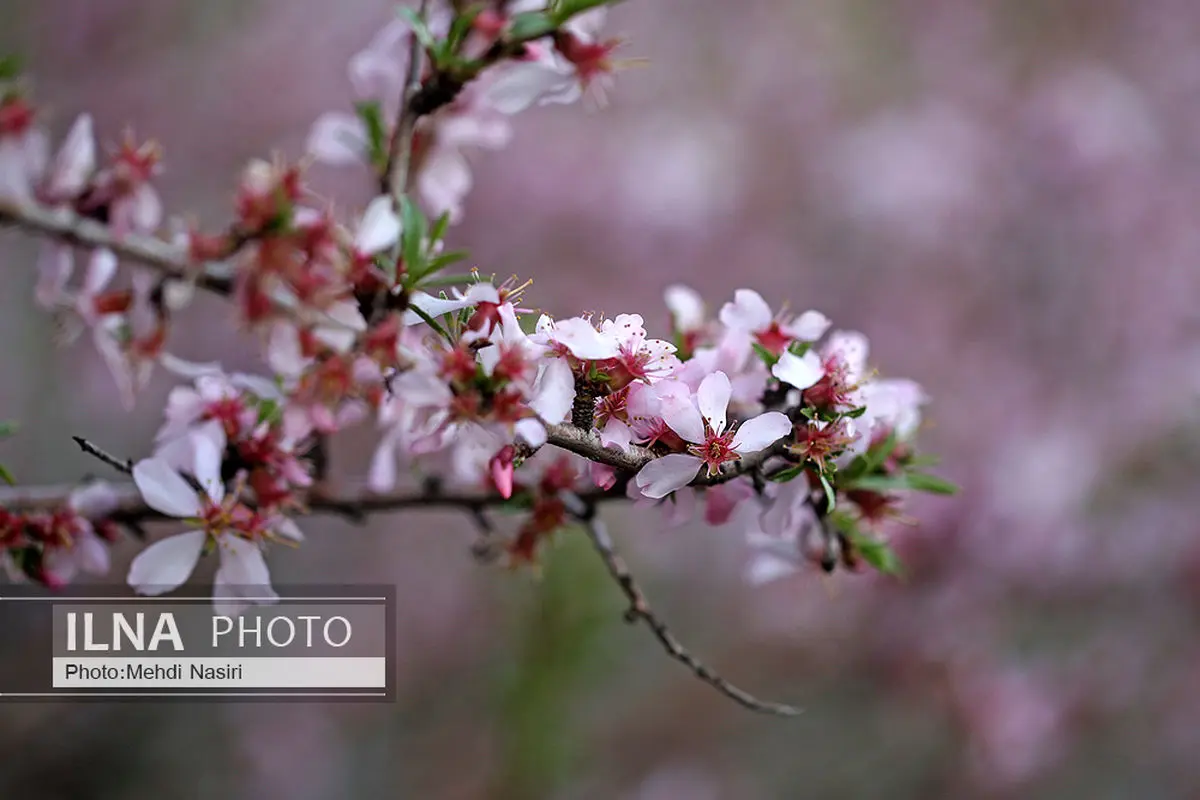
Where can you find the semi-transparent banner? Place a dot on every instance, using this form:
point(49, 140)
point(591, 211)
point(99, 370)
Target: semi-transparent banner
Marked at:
point(312, 643)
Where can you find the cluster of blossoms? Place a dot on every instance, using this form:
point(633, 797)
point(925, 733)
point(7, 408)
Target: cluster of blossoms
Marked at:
point(758, 415)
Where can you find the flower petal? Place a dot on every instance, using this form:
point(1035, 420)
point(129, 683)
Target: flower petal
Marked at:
point(762, 431)
point(164, 489)
point(747, 312)
point(532, 431)
point(94, 500)
point(809, 326)
point(338, 139)
point(207, 454)
point(101, 267)
point(432, 306)
point(383, 474)
point(686, 306)
point(583, 340)
point(167, 563)
point(713, 399)
point(520, 85)
point(55, 264)
point(800, 372)
point(379, 228)
point(852, 347)
point(667, 474)
point(242, 577)
point(75, 161)
point(555, 392)
point(682, 416)
point(616, 434)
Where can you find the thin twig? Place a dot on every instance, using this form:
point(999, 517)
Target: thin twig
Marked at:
point(125, 466)
point(640, 611)
point(395, 179)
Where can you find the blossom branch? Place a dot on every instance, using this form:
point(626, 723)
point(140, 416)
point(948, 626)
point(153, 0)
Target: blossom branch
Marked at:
point(587, 444)
point(639, 610)
point(355, 504)
point(70, 228)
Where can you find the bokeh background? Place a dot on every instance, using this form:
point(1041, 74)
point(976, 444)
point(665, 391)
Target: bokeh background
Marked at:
point(1003, 196)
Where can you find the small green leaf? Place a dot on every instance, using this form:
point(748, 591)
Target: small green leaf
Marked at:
point(439, 228)
point(798, 348)
point(444, 260)
point(786, 475)
point(423, 34)
point(878, 483)
point(914, 481)
point(532, 25)
point(431, 322)
point(925, 460)
point(830, 495)
point(7, 476)
point(7, 428)
point(924, 482)
point(450, 280)
point(565, 9)
point(269, 411)
point(371, 114)
point(768, 358)
point(879, 555)
point(460, 28)
point(416, 230)
point(10, 67)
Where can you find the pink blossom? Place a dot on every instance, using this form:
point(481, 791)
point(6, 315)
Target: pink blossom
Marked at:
point(24, 149)
point(702, 423)
point(221, 520)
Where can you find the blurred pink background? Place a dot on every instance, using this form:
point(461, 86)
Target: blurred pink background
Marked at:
point(1001, 195)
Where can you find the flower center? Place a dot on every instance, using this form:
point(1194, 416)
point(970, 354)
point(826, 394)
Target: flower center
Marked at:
point(16, 117)
point(715, 451)
point(774, 339)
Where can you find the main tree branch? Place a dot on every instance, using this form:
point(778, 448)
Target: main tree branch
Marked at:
point(66, 226)
point(355, 504)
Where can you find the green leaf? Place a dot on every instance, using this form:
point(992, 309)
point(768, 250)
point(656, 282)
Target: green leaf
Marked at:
point(879, 555)
point(924, 482)
point(768, 358)
point(786, 475)
point(269, 410)
point(868, 463)
point(533, 25)
point(460, 28)
point(7, 476)
point(10, 67)
point(439, 228)
point(371, 114)
point(914, 481)
point(431, 322)
point(7, 428)
point(566, 9)
point(423, 34)
point(416, 230)
point(450, 280)
point(799, 348)
point(830, 495)
point(878, 483)
point(925, 460)
point(444, 260)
